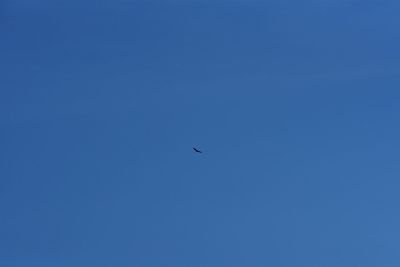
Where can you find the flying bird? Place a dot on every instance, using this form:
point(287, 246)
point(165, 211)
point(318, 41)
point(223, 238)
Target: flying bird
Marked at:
point(198, 151)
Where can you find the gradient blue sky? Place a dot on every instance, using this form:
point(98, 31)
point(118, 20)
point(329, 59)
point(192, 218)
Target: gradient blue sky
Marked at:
point(296, 106)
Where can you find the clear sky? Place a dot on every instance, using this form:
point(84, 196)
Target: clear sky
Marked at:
point(295, 105)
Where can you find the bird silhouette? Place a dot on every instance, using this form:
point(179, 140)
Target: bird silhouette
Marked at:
point(198, 151)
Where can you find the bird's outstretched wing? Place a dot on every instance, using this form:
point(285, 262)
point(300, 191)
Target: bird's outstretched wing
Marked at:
point(198, 151)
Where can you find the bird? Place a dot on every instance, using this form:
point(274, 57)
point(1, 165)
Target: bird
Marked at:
point(198, 151)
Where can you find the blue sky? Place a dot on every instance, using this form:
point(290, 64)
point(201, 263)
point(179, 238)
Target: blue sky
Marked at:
point(295, 105)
